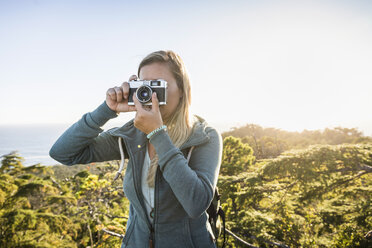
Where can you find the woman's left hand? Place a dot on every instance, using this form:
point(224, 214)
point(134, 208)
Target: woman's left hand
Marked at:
point(147, 120)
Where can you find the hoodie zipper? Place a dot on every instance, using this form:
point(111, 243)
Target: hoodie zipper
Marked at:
point(152, 231)
point(152, 236)
point(152, 228)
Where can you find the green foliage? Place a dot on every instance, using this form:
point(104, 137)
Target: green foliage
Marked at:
point(236, 158)
point(27, 228)
point(37, 210)
point(7, 187)
point(316, 197)
point(11, 163)
point(351, 236)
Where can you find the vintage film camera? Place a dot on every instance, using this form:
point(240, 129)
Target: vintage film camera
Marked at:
point(144, 89)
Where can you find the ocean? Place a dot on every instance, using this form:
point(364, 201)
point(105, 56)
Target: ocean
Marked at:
point(32, 142)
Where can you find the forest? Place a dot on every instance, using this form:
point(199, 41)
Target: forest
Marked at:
point(279, 189)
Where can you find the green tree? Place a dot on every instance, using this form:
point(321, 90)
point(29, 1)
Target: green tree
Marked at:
point(11, 163)
point(37, 210)
point(316, 197)
point(237, 157)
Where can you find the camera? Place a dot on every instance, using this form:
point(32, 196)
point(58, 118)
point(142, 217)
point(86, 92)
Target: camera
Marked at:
point(143, 89)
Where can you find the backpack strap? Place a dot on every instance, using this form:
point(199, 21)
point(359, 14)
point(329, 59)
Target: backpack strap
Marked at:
point(222, 214)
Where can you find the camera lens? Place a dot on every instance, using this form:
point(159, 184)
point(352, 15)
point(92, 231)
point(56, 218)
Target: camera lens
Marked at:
point(144, 94)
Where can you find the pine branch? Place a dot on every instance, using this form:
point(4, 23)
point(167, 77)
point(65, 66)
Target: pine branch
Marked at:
point(286, 187)
point(269, 242)
point(55, 182)
point(90, 235)
point(360, 167)
point(341, 182)
point(113, 233)
point(366, 168)
point(114, 216)
point(239, 239)
point(338, 184)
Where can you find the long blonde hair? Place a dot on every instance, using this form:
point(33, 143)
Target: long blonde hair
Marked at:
point(180, 124)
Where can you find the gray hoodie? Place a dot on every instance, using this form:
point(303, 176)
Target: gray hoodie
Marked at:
point(183, 190)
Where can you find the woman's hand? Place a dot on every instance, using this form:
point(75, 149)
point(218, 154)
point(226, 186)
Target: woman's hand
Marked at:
point(147, 119)
point(117, 97)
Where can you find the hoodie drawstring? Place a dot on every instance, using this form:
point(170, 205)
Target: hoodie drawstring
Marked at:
point(118, 173)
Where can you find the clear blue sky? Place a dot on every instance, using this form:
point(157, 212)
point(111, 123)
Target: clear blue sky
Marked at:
point(293, 65)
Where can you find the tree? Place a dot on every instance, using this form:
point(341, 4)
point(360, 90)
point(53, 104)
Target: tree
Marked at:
point(37, 210)
point(11, 163)
point(315, 197)
point(236, 158)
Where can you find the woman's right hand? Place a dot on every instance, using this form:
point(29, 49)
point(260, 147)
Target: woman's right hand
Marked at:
point(117, 97)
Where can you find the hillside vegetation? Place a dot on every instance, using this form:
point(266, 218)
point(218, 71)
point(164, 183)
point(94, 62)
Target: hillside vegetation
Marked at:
point(41, 207)
point(317, 195)
point(271, 142)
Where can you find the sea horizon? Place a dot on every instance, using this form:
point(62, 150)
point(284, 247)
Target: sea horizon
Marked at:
point(33, 141)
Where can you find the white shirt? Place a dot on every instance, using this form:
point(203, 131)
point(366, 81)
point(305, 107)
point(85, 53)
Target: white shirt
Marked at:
point(148, 193)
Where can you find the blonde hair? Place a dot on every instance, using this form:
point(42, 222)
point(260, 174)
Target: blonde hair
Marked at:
point(180, 124)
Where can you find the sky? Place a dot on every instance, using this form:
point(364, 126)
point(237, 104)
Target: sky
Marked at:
point(292, 65)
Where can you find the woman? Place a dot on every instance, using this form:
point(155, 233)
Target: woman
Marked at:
point(168, 192)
